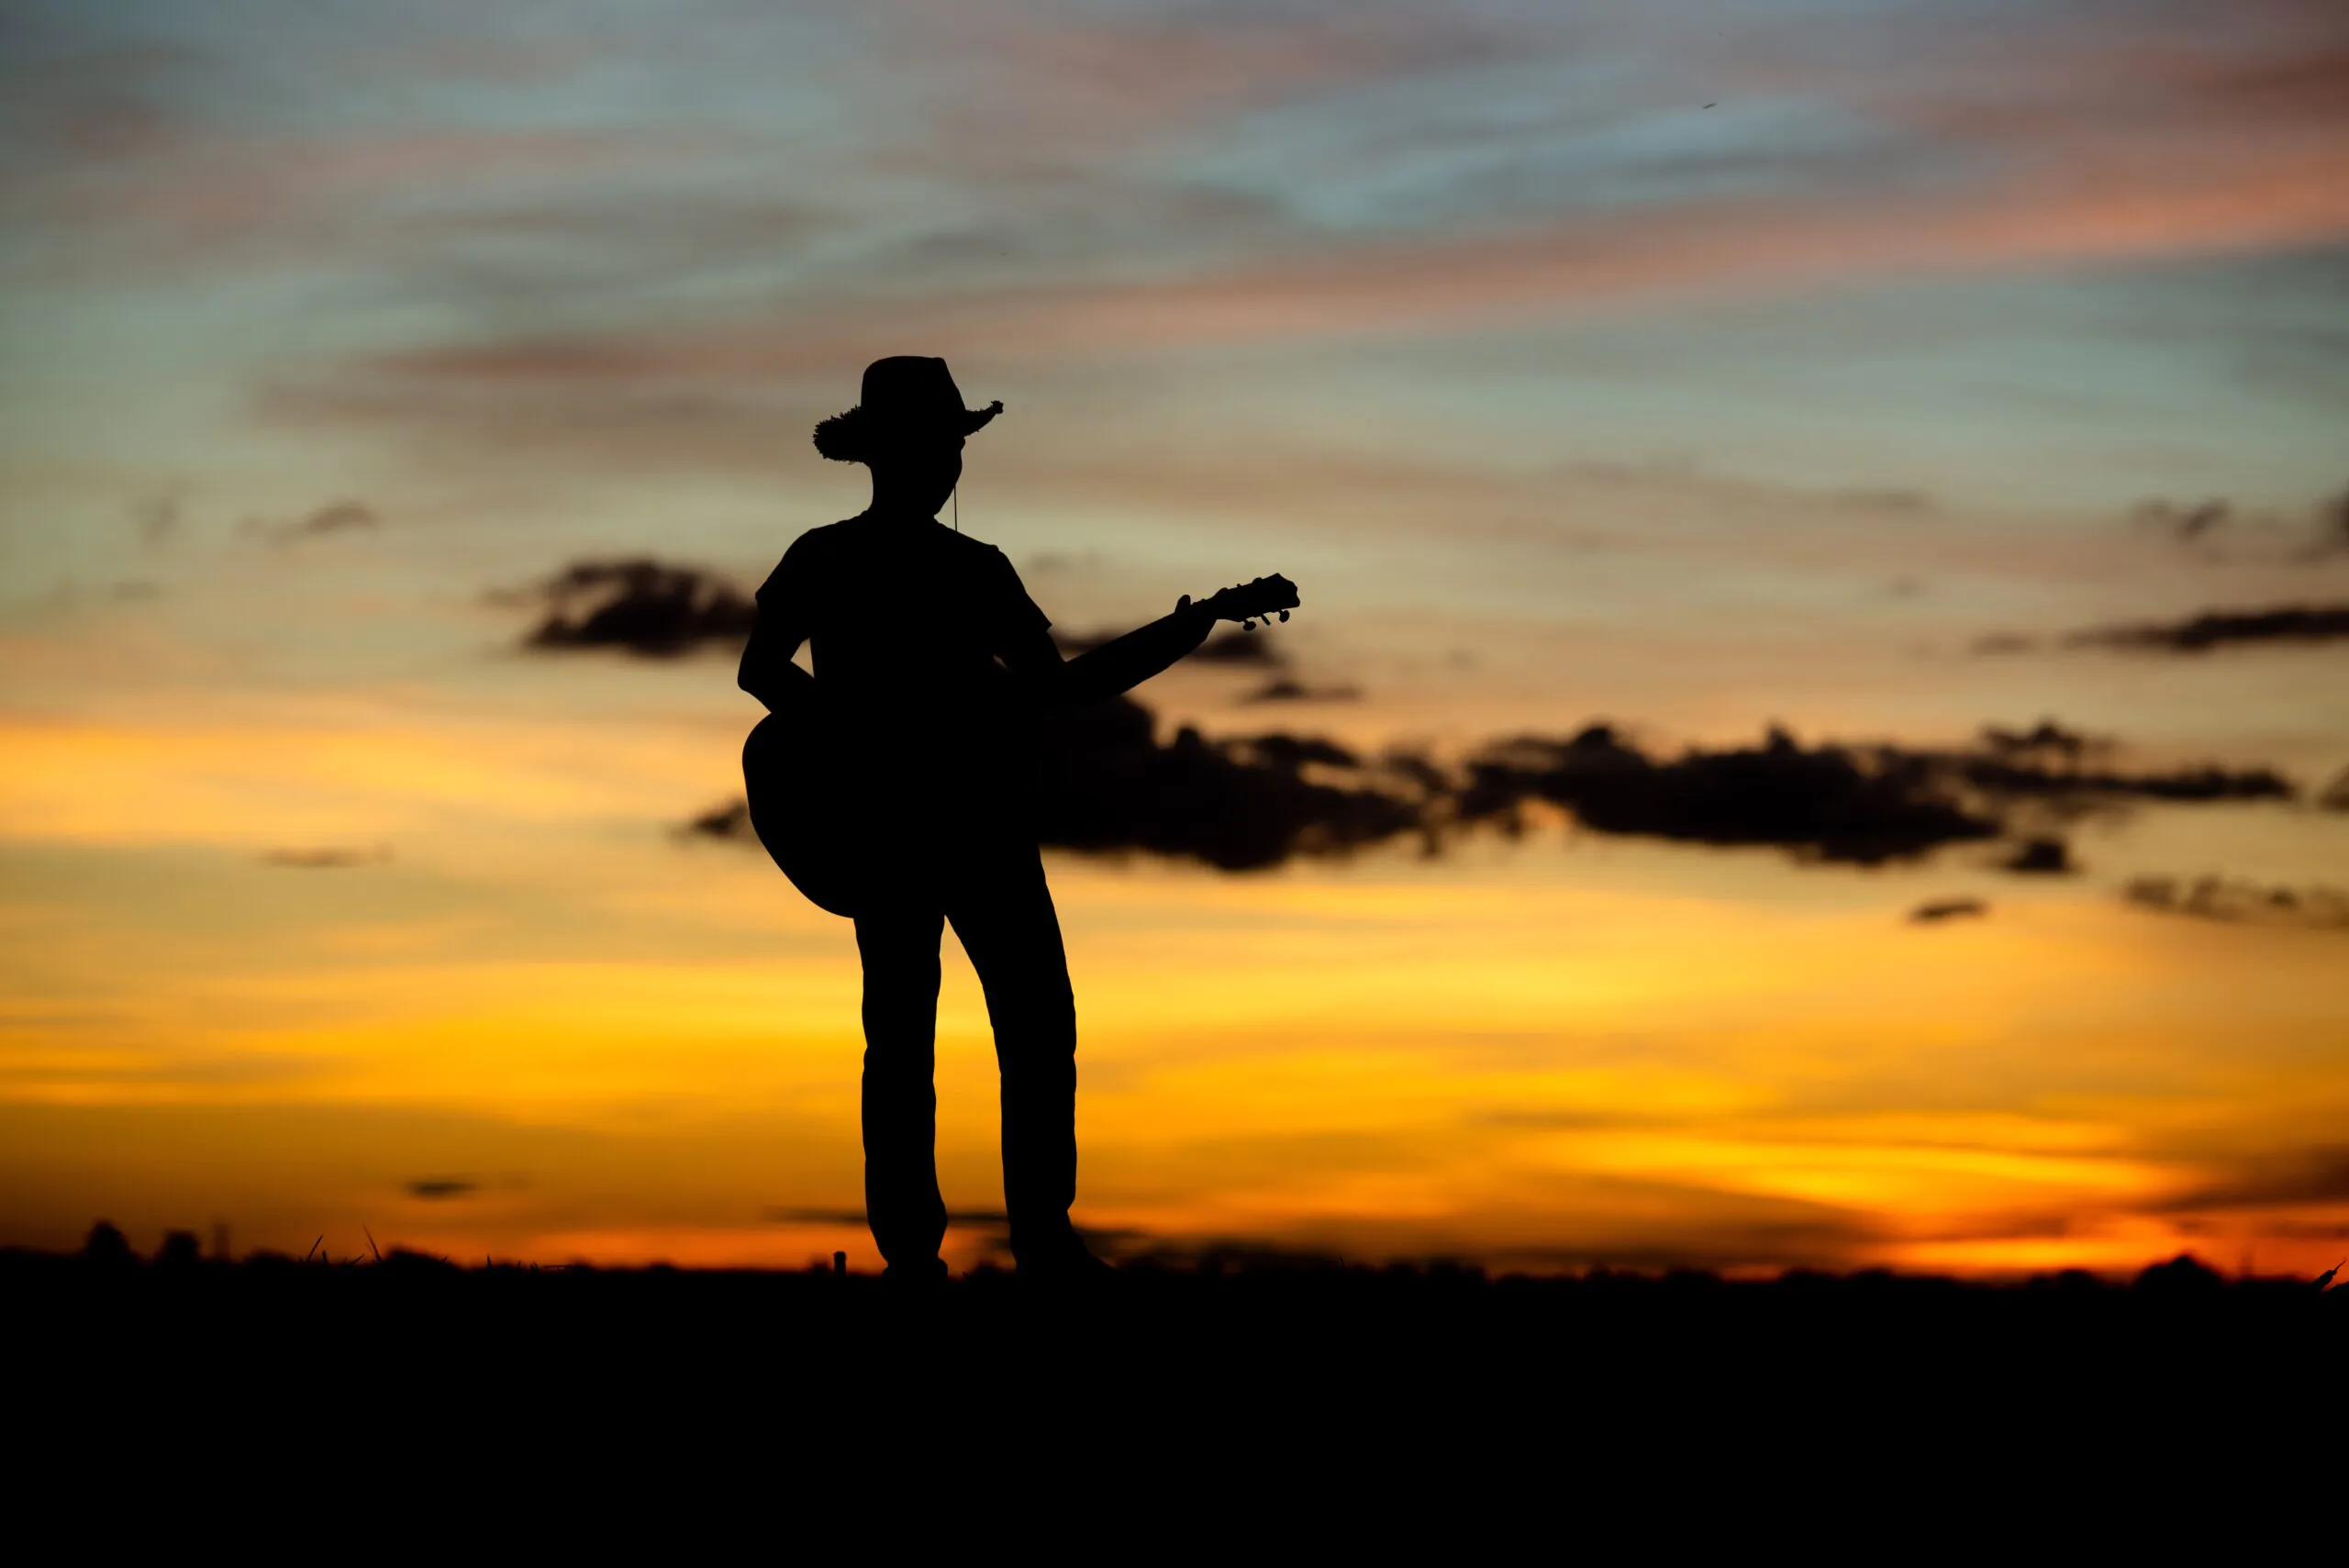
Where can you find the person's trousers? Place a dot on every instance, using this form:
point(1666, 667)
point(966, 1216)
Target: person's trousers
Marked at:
point(1001, 909)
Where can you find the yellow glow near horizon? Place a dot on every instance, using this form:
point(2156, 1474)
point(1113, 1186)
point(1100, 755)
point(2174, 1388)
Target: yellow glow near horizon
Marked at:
point(1366, 1057)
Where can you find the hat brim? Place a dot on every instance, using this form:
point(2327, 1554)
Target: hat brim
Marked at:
point(858, 435)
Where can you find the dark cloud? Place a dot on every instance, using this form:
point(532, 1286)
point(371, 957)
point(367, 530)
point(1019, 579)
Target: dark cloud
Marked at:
point(1948, 909)
point(2183, 785)
point(341, 516)
point(435, 1188)
point(2319, 1175)
point(1829, 803)
point(2215, 628)
point(2044, 739)
point(1856, 804)
point(2040, 857)
point(2196, 634)
point(1288, 690)
point(335, 518)
point(641, 606)
point(1108, 784)
point(731, 820)
point(326, 857)
point(2219, 531)
point(2242, 903)
point(2049, 763)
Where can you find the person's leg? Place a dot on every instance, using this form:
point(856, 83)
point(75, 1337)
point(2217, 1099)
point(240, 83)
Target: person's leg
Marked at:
point(899, 947)
point(1002, 912)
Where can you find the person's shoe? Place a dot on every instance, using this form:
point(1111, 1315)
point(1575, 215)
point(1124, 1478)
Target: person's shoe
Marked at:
point(926, 1276)
point(1065, 1262)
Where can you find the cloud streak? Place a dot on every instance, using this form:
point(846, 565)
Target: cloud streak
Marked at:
point(2236, 902)
point(441, 1189)
point(2285, 624)
point(2124, 153)
point(1389, 287)
point(327, 857)
point(2222, 628)
point(1288, 690)
point(335, 518)
point(2306, 1177)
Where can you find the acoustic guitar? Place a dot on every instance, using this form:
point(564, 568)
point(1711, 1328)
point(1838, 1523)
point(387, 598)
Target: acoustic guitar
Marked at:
point(807, 803)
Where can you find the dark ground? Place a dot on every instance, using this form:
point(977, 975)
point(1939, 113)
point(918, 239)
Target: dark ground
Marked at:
point(1263, 1370)
point(1234, 1410)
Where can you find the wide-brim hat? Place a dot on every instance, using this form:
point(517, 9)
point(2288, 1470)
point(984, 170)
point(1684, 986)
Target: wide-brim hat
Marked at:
point(907, 401)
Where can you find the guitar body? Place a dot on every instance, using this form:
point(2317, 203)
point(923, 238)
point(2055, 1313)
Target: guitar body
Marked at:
point(802, 806)
point(822, 821)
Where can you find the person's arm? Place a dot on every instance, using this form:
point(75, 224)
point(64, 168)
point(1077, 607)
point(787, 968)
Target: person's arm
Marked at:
point(1117, 666)
point(767, 672)
point(1027, 649)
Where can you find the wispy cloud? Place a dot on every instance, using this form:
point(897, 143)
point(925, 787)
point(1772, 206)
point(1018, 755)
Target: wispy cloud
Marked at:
point(2202, 633)
point(1288, 690)
point(2110, 141)
point(2302, 1177)
point(2239, 902)
point(2217, 629)
point(327, 857)
point(439, 1189)
point(335, 518)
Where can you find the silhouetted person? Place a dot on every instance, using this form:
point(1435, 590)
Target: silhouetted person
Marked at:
point(893, 787)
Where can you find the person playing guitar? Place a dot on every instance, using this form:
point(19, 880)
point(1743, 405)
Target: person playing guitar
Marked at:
point(891, 786)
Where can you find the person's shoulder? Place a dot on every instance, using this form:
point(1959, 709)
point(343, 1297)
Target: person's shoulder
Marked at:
point(822, 535)
point(811, 548)
point(990, 569)
point(945, 537)
point(976, 552)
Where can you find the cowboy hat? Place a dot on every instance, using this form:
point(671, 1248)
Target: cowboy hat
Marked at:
point(907, 399)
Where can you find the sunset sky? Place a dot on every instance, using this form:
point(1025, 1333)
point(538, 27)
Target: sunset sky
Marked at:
point(1875, 370)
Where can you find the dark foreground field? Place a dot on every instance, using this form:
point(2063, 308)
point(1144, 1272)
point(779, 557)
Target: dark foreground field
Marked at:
point(1265, 1370)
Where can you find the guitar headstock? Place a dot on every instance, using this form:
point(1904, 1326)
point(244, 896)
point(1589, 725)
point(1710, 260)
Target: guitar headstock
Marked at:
point(1252, 602)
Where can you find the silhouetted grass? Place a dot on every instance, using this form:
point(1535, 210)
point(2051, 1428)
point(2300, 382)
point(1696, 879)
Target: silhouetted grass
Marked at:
point(1242, 1363)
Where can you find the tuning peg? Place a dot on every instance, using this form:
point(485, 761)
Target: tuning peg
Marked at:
point(1284, 614)
point(1247, 626)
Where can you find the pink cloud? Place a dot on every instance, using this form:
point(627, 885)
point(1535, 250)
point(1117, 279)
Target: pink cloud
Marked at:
point(2092, 206)
point(1024, 89)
